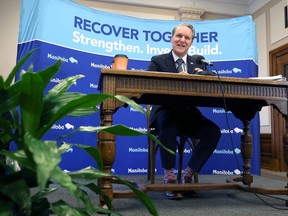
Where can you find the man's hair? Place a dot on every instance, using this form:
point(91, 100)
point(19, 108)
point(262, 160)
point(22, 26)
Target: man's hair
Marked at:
point(184, 24)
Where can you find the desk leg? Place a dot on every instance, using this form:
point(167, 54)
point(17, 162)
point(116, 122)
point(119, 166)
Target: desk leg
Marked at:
point(107, 147)
point(246, 152)
point(247, 178)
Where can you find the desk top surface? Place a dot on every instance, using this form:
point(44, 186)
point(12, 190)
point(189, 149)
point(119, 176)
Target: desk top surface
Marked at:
point(149, 87)
point(167, 75)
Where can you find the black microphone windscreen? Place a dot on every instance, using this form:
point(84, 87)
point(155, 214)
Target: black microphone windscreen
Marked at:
point(197, 59)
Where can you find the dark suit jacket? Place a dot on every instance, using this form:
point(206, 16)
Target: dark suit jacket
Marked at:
point(165, 63)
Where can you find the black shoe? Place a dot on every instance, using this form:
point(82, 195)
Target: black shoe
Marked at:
point(191, 193)
point(173, 195)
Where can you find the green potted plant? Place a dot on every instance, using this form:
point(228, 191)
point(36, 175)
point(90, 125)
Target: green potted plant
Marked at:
point(26, 114)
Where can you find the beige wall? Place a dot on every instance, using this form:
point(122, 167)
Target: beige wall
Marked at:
point(135, 11)
point(268, 19)
point(144, 12)
point(9, 24)
point(271, 34)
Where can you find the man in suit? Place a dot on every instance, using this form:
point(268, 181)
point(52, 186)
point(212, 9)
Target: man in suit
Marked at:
point(171, 121)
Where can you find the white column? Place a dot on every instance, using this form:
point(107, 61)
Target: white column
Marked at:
point(190, 13)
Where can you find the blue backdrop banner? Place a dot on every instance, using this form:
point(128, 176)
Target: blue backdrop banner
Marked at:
point(86, 40)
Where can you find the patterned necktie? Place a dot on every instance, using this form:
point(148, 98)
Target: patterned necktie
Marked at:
point(180, 65)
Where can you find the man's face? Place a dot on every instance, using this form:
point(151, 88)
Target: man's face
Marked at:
point(182, 40)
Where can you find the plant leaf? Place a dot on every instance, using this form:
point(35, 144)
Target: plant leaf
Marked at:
point(64, 147)
point(66, 182)
point(2, 85)
point(20, 157)
point(141, 196)
point(94, 153)
point(18, 191)
point(53, 104)
point(62, 208)
point(97, 190)
point(31, 101)
point(131, 103)
point(88, 173)
point(43, 193)
point(46, 157)
point(16, 68)
point(121, 130)
point(81, 102)
point(63, 86)
point(10, 98)
point(49, 72)
point(5, 207)
point(41, 206)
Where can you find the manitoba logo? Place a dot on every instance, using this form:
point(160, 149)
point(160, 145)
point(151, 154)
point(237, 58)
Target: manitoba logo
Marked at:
point(237, 150)
point(57, 80)
point(50, 56)
point(69, 126)
point(57, 127)
point(222, 172)
point(237, 171)
point(137, 150)
point(238, 130)
point(137, 170)
point(70, 150)
point(73, 60)
point(92, 85)
point(236, 70)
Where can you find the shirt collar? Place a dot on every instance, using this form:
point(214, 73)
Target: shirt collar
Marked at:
point(176, 57)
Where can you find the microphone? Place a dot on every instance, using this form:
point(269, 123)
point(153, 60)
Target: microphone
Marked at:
point(198, 59)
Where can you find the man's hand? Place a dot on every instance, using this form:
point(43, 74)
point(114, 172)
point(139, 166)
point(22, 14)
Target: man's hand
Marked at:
point(196, 70)
point(183, 72)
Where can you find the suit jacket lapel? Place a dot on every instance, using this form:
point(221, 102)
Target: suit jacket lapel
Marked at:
point(170, 63)
point(190, 65)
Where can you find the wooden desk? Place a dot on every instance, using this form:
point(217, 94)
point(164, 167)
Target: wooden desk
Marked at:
point(244, 98)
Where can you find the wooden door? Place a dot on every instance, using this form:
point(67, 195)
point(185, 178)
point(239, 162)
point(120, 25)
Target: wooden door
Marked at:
point(278, 66)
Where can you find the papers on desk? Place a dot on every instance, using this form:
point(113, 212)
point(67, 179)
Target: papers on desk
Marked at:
point(277, 77)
